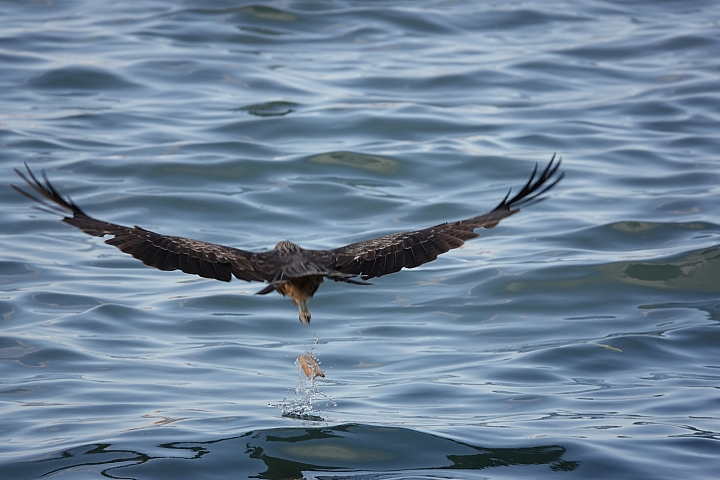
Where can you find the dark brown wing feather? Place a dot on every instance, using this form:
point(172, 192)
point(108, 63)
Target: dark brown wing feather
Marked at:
point(390, 253)
point(370, 258)
point(156, 250)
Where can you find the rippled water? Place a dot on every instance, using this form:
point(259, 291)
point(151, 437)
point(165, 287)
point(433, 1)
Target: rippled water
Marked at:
point(578, 339)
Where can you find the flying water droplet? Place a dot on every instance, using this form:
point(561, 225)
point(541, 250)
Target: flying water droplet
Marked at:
point(307, 389)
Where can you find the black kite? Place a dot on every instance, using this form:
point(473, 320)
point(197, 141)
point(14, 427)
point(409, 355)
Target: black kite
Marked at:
point(290, 269)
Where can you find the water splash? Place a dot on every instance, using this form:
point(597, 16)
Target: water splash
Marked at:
point(307, 389)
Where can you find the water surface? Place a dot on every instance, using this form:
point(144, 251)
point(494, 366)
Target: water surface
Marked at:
point(578, 339)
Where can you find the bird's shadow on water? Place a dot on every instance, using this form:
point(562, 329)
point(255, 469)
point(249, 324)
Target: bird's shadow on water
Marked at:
point(350, 450)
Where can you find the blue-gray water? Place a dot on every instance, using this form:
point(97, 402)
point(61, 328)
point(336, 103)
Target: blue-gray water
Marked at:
point(578, 339)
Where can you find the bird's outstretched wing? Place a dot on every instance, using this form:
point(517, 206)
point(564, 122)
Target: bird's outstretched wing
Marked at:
point(369, 258)
point(163, 252)
point(390, 253)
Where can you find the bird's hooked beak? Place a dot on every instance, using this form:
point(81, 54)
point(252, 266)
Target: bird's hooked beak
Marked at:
point(304, 312)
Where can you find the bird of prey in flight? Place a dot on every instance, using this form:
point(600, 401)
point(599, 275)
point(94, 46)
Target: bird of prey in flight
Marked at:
point(290, 269)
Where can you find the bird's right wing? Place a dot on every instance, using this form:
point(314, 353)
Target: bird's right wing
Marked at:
point(163, 252)
point(390, 253)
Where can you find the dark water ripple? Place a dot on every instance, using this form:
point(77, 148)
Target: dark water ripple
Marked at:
point(577, 339)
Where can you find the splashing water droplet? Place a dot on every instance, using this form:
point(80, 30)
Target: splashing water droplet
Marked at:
point(306, 390)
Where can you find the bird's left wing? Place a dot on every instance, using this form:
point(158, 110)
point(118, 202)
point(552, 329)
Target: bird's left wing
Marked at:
point(390, 253)
point(163, 252)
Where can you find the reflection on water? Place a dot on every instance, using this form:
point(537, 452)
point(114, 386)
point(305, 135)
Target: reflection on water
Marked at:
point(712, 307)
point(358, 160)
point(269, 109)
point(293, 452)
point(694, 270)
